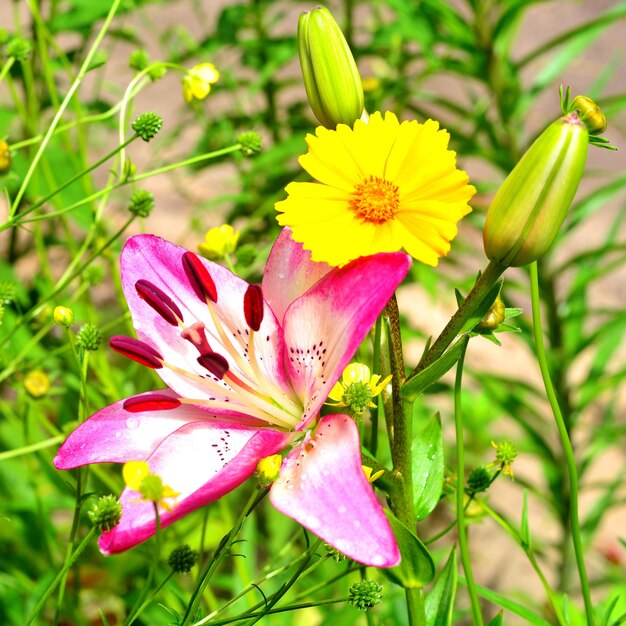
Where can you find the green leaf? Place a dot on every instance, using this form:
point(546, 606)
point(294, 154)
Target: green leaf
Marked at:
point(497, 620)
point(416, 385)
point(440, 601)
point(427, 451)
point(417, 567)
point(509, 605)
point(525, 531)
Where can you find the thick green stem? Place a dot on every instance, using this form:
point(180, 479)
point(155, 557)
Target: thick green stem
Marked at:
point(477, 618)
point(469, 306)
point(566, 444)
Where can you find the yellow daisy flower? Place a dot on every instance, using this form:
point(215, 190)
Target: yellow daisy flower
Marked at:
point(198, 80)
point(384, 186)
point(137, 476)
point(356, 388)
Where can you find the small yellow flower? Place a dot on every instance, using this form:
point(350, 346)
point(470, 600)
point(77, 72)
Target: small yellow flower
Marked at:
point(137, 477)
point(63, 316)
point(36, 383)
point(219, 241)
point(269, 468)
point(356, 388)
point(368, 473)
point(385, 186)
point(198, 80)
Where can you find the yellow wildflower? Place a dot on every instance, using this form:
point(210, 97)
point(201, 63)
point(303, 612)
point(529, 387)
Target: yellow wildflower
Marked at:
point(198, 80)
point(137, 477)
point(384, 186)
point(36, 383)
point(368, 473)
point(219, 241)
point(356, 388)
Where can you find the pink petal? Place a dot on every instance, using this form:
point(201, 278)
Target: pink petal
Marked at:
point(202, 461)
point(114, 435)
point(151, 258)
point(289, 272)
point(322, 485)
point(324, 327)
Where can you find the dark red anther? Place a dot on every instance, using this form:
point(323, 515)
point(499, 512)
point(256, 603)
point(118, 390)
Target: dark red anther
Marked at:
point(215, 363)
point(159, 301)
point(137, 351)
point(253, 306)
point(199, 277)
point(151, 402)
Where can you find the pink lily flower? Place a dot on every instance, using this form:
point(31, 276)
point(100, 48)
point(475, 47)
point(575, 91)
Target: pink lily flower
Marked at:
point(248, 369)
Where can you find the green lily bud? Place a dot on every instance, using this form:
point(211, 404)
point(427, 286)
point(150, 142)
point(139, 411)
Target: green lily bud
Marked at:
point(530, 206)
point(331, 78)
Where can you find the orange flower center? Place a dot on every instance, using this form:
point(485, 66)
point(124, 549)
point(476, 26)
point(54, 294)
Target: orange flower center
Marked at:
point(376, 200)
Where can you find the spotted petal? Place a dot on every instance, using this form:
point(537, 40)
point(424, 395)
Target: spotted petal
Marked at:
point(324, 327)
point(114, 435)
point(201, 461)
point(150, 258)
point(323, 487)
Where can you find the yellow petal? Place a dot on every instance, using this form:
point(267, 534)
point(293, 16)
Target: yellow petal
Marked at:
point(134, 473)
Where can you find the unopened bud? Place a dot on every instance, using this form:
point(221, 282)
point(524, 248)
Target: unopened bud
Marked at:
point(182, 559)
point(269, 468)
point(63, 316)
point(331, 78)
point(138, 60)
point(36, 383)
point(88, 338)
point(532, 203)
point(590, 113)
point(5, 157)
point(494, 316)
point(141, 203)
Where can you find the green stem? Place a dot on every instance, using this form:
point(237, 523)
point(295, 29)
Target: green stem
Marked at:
point(6, 67)
point(566, 444)
point(477, 618)
point(469, 306)
point(374, 412)
point(60, 575)
point(41, 445)
point(57, 117)
point(76, 177)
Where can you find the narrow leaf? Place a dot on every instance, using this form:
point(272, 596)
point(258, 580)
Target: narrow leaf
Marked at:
point(440, 601)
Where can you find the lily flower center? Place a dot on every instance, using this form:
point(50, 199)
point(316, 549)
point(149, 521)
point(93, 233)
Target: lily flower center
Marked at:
point(376, 200)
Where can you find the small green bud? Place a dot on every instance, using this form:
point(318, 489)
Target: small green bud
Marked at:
point(334, 554)
point(250, 142)
point(8, 291)
point(357, 397)
point(532, 203)
point(5, 157)
point(19, 48)
point(366, 594)
point(479, 479)
point(590, 113)
point(88, 338)
point(331, 78)
point(141, 203)
point(147, 125)
point(151, 488)
point(106, 513)
point(157, 71)
point(94, 274)
point(494, 316)
point(63, 316)
point(506, 453)
point(182, 559)
point(138, 60)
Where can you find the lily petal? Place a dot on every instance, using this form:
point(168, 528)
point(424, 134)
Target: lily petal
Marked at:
point(201, 461)
point(289, 272)
point(324, 327)
point(323, 487)
point(114, 435)
point(146, 257)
